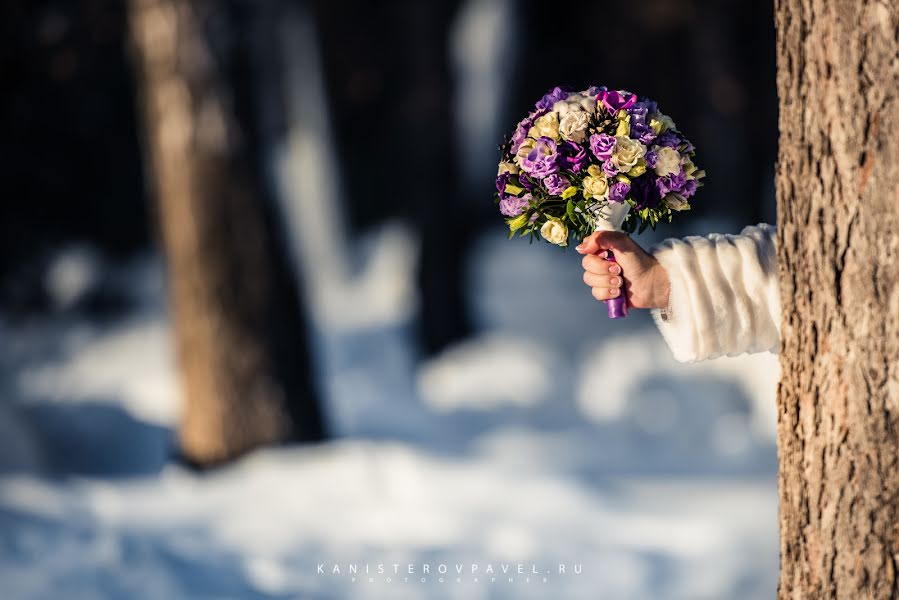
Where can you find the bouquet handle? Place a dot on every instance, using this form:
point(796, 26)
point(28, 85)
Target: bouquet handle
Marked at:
point(617, 306)
point(610, 218)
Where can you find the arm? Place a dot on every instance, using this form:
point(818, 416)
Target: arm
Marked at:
point(711, 296)
point(723, 294)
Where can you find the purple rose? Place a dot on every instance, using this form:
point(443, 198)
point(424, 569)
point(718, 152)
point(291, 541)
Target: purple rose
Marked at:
point(645, 193)
point(513, 206)
point(669, 138)
point(609, 168)
point(672, 183)
point(574, 156)
point(638, 112)
point(556, 184)
point(616, 100)
point(642, 132)
point(602, 145)
point(543, 159)
point(553, 96)
point(521, 133)
point(618, 191)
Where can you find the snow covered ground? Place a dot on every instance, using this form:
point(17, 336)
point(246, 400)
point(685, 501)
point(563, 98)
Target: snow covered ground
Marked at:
point(554, 437)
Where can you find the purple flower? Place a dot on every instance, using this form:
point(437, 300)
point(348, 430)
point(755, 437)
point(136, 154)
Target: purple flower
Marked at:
point(556, 184)
point(669, 138)
point(602, 145)
point(574, 156)
point(640, 110)
point(609, 168)
point(527, 183)
point(644, 192)
point(690, 188)
point(553, 96)
point(513, 206)
point(672, 183)
point(543, 159)
point(521, 133)
point(642, 132)
point(618, 191)
point(616, 100)
point(652, 159)
point(501, 182)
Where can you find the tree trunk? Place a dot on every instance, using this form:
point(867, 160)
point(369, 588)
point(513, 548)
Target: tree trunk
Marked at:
point(838, 207)
point(238, 322)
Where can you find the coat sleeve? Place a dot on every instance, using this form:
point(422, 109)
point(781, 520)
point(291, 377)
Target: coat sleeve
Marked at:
point(724, 297)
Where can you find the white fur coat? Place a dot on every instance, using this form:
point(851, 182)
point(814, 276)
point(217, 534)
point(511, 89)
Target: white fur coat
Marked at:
point(724, 299)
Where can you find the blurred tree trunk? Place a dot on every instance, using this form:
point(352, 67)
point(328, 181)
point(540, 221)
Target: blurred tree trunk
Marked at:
point(238, 322)
point(838, 203)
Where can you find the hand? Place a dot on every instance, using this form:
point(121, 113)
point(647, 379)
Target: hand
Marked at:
point(642, 278)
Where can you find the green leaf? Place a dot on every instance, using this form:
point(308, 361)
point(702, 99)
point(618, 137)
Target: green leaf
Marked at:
point(569, 208)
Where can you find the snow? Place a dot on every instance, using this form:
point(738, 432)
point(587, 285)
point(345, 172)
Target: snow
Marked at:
point(552, 437)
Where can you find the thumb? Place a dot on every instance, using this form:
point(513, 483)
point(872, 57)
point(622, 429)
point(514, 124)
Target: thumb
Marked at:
point(606, 240)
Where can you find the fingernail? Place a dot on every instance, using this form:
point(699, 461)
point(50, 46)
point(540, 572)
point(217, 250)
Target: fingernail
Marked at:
point(603, 254)
point(615, 281)
point(614, 269)
point(579, 247)
point(613, 291)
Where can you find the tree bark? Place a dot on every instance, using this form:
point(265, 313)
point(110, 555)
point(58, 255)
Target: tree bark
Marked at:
point(238, 322)
point(838, 208)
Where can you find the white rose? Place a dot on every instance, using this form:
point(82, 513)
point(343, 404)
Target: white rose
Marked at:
point(547, 125)
point(555, 232)
point(675, 202)
point(573, 126)
point(596, 185)
point(507, 167)
point(668, 163)
point(627, 153)
point(575, 103)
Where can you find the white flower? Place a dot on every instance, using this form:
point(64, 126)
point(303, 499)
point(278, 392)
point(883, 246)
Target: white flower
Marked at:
point(555, 232)
point(627, 153)
point(675, 202)
point(507, 167)
point(573, 126)
point(596, 185)
point(668, 163)
point(547, 125)
point(575, 103)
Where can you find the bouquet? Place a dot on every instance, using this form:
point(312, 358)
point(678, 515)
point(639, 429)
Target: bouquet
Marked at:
point(592, 160)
